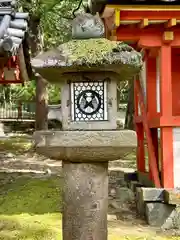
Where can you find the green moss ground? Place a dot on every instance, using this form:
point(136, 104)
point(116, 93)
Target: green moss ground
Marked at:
point(30, 209)
point(16, 145)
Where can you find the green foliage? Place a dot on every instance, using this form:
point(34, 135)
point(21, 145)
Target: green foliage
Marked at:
point(54, 94)
point(9, 93)
point(54, 17)
point(56, 21)
point(56, 24)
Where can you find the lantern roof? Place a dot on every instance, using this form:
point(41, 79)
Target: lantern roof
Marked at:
point(86, 56)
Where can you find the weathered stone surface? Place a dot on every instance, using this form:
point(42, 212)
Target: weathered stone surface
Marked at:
point(140, 204)
point(78, 146)
point(162, 215)
point(85, 201)
point(88, 55)
point(151, 194)
point(124, 194)
point(116, 181)
point(85, 26)
point(172, 196)
point(144, 195)
point(110, 91)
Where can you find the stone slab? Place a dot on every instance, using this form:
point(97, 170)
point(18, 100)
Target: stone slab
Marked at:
point(172, 196)
point(151, 194)
point(82, 146)
point(145, 195)
point(162, 215)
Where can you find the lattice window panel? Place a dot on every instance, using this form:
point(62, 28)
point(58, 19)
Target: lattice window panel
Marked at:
point(89, 101)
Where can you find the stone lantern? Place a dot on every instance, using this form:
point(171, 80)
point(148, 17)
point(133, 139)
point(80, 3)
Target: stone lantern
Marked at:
point(88, 71)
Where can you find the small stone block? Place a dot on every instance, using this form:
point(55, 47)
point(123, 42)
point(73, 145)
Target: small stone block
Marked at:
point(152, 194)
point(134, 185)
point(140, 204)
point(172, 196)
point(161, 215)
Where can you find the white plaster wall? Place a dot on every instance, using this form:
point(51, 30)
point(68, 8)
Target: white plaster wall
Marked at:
point(176, 153)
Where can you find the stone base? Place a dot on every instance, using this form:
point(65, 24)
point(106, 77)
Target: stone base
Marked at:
point(85, 199)
point(163, 215)
point(160, 207)
point(78, 146)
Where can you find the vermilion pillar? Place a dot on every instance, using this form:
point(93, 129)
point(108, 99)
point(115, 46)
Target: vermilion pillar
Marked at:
point(140, 135)
point(166, 112)
point(152, 100)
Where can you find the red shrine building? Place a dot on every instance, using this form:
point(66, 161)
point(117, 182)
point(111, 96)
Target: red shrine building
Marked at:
point(152, 27)
point(14, 50)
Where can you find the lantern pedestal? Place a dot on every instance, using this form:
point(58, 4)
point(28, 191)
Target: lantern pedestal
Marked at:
point(89, 138)
point(85, 156)
point(85, 200)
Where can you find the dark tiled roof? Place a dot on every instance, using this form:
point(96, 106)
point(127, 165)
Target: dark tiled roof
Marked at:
point(13, 25)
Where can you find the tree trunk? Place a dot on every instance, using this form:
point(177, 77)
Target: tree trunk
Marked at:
point(129, 121)
point(36, 45)
point(41, 104)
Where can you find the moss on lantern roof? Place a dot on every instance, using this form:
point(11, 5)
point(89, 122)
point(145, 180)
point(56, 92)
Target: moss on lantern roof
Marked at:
point(89, 54)
point(99, 52)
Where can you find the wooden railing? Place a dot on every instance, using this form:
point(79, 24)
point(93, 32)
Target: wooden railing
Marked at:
point(17, 110)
